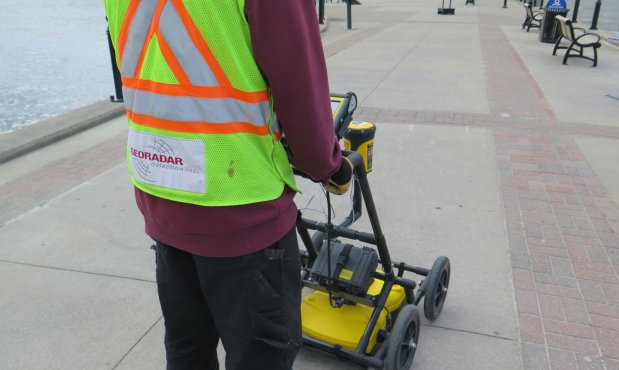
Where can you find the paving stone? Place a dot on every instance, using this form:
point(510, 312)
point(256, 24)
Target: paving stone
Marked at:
point(579, 345)
point(602, 309)
point(609, 342)
point(597, 253)
point(575, 310)
point(569, 329)
point(558, 291)
point(550, 307)
point(611, 364)
point(604, 322)
point(611, 293)
point(586, 362)
point(561, 266)
point(563, 281)
point(592, 291)
point(523, 279)
point(562, 360)
point(613, 254)
point(548, 251)
point(534, 357)
point(541, 263)
point(527, 302)
point(531, 329)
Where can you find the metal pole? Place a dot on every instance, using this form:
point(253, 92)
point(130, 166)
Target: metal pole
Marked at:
point(596, 14)
point(118, 86)
point(575, 13)
point(505, 4)
point(321, 11)
point(349, 13)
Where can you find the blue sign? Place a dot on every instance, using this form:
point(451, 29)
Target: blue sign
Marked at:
point(556, 4)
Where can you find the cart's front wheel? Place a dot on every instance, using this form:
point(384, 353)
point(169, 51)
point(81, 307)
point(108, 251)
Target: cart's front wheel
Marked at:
point(436, 288)
point(403, 338)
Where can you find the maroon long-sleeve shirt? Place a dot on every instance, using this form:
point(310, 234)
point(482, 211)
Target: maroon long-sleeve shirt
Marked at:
point(287, 47)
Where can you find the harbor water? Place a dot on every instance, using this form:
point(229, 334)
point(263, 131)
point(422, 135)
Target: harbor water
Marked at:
point(54, 55)
point(53, 58)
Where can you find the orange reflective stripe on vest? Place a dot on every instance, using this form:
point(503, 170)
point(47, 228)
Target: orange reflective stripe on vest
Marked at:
point(204, 100)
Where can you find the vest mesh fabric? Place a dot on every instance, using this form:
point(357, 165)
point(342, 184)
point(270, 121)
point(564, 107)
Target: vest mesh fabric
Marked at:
point(241, 167)
point(155, 67)
point(229, 40)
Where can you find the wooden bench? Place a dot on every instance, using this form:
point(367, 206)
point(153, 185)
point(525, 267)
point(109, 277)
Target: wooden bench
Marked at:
point(533, 18)
point(578, 41)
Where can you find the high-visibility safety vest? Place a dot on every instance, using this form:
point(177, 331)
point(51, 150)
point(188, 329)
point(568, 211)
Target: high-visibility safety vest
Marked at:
point(202, 129)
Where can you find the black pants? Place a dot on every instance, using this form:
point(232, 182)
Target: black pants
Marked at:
point(251, 302)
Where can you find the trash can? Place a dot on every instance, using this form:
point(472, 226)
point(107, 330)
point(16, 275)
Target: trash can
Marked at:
point(548, 29)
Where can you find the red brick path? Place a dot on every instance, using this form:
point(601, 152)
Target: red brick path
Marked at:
point(562, 226)
point(39, 187)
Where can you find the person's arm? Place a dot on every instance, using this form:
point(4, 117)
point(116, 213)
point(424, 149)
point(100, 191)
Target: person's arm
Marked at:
point(287, 46)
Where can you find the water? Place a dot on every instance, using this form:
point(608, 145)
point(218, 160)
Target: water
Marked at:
point(54, 56)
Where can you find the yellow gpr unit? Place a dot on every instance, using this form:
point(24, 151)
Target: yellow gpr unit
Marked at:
point(362, 307)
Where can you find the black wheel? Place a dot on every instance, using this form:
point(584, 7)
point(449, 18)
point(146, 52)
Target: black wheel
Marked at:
point(402, 342)
point(436, 288)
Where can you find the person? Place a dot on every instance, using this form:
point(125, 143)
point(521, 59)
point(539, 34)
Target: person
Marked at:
point(210, 87)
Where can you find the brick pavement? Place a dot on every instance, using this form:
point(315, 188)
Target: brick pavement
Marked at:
point(562, 226)
point(40, 186)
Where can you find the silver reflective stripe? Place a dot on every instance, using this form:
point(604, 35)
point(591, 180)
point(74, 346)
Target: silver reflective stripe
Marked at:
point(185, 51)
point(275, 124)
point(191, 109)
point(138, 30)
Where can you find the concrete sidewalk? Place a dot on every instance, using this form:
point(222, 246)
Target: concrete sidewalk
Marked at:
point(488, 151)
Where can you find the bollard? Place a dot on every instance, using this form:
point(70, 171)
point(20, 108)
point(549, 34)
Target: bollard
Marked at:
point(349, 13)
point(575, 13)
point(321, 11)
point(596, 14)
point(118, 86)
point(505, 4)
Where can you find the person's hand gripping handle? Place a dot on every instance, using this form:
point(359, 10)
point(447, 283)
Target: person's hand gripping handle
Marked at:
point(339, 182)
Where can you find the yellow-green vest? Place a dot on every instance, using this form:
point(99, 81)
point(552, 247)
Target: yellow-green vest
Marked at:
point(202, 129)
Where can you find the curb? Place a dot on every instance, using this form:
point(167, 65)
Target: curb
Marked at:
point(43, 133)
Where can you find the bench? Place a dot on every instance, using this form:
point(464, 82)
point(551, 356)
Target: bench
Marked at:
point(533, 18)
point(578, 41)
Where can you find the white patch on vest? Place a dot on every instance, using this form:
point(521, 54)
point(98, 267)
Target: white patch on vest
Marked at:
point(168, 162)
